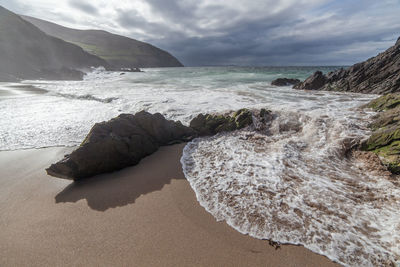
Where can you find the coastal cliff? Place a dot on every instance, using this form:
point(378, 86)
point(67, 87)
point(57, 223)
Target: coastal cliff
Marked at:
point(119, 51)
point(377, 75)
point(28, 53)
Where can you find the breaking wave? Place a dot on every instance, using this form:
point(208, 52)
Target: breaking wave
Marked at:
point(294, 182)
point(88, 97)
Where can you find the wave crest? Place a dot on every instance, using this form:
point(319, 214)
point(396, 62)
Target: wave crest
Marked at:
point(292, 183)
point(88, 97)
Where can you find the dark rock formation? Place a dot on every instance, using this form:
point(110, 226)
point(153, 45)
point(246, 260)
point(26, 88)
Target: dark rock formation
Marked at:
point(285, 82)
point(378, 75)
point(125, 69)
point(385, 140)
point(210, 124)
point(386, 102)
point(119, 51)
point(118, 143)
point(126, 139)
point(314, 82)
point(28, 53)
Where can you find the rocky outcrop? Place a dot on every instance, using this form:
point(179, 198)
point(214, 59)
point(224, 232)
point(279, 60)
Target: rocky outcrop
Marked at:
point(210, 124)
point(377, 75)
point(285, 82)
point(118, 143)
point(126, 139)
point(385, 140)
point(386, 102)
point(314, 82)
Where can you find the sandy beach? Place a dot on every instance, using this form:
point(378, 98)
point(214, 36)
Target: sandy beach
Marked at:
point(146, 215)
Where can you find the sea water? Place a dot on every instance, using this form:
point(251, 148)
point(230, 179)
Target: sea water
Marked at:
point(62, 112)
point(291, 182)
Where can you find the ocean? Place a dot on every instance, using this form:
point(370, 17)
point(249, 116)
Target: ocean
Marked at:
point(291, 182)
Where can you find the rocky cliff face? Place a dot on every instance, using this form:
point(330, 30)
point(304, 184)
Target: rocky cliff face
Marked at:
point(28, 53)
point(377, 75)
point(119, 51)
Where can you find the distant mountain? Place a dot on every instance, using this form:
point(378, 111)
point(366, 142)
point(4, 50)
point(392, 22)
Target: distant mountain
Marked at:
point(119, 51)
point(28, 53)
point(377, 75)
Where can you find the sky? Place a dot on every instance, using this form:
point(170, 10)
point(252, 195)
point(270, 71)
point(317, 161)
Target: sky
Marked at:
point(234, 32)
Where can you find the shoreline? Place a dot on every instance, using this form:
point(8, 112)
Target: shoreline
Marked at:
point(140, 215)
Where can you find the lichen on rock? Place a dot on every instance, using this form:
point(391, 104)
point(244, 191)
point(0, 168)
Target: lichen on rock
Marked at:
point(210, 124)
point(385, 102)
point(385, 140)
point(243, 117)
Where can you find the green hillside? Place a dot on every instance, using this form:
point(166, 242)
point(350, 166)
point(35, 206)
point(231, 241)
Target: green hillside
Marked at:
point(28, 53)
point(117, 50)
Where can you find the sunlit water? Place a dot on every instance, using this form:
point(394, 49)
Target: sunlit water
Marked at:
point(289, 182)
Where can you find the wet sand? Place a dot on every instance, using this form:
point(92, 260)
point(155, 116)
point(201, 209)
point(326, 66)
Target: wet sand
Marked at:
point(146, 215)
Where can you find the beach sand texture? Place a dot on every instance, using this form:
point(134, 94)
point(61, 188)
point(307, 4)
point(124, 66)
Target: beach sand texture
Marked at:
point(146, 215)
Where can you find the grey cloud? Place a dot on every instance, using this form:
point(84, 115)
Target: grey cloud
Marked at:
point(243, 48)
point(84, 6)
point(132, 20)
point(264, 32)
point(252, 42)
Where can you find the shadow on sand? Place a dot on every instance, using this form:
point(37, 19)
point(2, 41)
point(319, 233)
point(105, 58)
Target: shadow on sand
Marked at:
point(124, 187)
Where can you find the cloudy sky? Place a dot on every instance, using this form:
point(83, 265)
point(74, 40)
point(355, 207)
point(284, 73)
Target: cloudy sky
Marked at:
point(237, 32)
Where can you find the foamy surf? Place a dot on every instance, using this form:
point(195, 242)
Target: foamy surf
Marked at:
point(66, 112)
point(292, 183)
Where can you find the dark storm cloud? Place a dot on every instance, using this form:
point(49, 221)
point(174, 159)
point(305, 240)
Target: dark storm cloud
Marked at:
point(237, 32)
point(287, 37)
point(266, 42)
point(84, 6)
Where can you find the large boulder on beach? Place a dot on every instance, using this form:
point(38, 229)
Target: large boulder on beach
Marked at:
point(377, 75)
point(126, 139)
point(210, 124)
point(285, 82)
point(118, 143)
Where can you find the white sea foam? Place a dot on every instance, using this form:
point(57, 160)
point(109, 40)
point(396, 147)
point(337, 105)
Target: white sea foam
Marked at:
point(294, 184)
point(65, 114)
